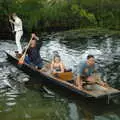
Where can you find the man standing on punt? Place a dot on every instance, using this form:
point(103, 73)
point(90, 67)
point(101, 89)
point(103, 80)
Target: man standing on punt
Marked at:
point(18, 29)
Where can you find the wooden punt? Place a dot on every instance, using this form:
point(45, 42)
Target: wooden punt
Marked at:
point(98, 92)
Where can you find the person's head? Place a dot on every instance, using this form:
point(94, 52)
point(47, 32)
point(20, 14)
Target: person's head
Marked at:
point(14, 15)
point(33, 43)
point(90, 60)
point(57, 59)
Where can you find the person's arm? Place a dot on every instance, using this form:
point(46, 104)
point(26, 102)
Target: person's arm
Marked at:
point(80, 70)
point(38, 43)
point(95, 68)
point(78, 81)
point(17, 22)
point(61, 67)
point(11, 21)
point(51, 66)
point(35, 36)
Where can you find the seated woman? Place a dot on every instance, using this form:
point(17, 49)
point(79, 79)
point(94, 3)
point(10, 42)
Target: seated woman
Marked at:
point(57, 66)
point(33, 56)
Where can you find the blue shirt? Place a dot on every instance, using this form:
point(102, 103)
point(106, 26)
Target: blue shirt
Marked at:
point(85, 70)
point(34, 55)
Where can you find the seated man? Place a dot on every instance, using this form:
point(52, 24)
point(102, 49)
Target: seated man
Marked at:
point(85, 72)
point(33, 56)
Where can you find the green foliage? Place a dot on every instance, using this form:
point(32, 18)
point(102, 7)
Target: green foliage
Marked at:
point(43, 14)
point(89, 16)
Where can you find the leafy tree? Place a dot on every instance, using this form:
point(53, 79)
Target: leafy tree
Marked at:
point(70, 14)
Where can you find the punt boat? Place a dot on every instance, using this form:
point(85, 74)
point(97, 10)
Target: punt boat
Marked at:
point(65, 81)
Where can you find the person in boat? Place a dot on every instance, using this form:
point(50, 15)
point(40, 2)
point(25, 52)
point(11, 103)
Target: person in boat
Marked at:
point(57, 65)
point(85, 72)
point(33, 56)
point(34, 36)
point(18, 29)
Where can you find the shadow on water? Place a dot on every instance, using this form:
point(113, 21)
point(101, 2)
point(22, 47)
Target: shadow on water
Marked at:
point(36, 101)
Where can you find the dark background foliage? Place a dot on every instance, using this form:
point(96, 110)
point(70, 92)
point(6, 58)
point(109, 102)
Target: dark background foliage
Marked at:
point(55, 15)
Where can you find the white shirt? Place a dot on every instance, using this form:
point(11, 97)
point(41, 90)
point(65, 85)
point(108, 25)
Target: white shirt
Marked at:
point(18, 24)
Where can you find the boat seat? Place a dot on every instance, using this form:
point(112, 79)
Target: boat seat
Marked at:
point(65, 76)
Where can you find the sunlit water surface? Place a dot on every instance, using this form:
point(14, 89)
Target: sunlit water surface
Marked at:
point(30, 102)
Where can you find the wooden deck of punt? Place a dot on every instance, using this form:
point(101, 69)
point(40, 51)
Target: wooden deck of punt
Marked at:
point(99, 92)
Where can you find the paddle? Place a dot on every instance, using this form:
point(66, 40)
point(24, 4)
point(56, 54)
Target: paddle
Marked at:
point(21, 60)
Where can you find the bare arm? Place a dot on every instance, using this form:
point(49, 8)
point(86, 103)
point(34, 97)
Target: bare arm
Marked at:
point(79, 72)
point(35, 36)
point(62, 67)
point(15, 23)
point(79, 81)
point(51, 66)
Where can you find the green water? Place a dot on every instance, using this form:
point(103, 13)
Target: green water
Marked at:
point(32, 106)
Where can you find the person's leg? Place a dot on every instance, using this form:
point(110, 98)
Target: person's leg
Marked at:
point(18, 38)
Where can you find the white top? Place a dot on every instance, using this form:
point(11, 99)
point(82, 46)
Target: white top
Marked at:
point(18, 24)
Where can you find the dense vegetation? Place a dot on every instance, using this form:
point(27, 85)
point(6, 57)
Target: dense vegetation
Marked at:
point(44, 15)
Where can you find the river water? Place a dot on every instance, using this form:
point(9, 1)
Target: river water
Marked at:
point(33, 101)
